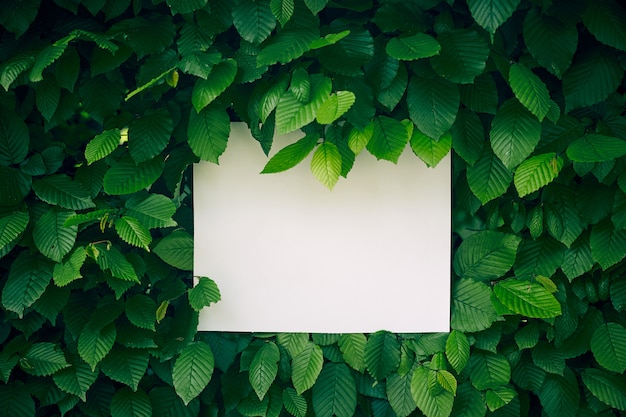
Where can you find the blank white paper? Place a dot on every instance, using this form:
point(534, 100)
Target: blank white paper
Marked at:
point(288, 255)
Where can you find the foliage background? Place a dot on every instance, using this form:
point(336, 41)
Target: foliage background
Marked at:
point(106, 104)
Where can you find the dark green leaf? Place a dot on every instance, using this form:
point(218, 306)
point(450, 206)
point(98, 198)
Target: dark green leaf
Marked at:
point(608, 388)
point(125, 365)
point(192, 370)
point(253, 20)
point(382, 354)
point(53, 239)
point(127, 177)
point(596, 148)
point(208, 133)
point(282, 10)
point(27, 280)
point(559, 395)
point(608, 346)
point(463, 55)
point(126, 403)
point(204, 293)
point(489, 370)
point(11, 227)
point(176, 249)
point(43, 359)
point(286, 46)
point(412, 47)
point(334, 392)
point(95, 342)
point(606, 20)
point(491, 14)
point(141, 311)
point(186, 6)
point(62, 191)
point(16, 400)
point(530, 90)
point(149, 135)
point(14, 138)
point(486, 255)
point(295, 404)
point(433, 104)
point(75, 379)
point(153, 210)
point(608, 245)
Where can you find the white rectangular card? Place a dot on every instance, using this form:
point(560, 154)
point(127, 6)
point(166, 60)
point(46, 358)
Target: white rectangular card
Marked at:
point(291, 256)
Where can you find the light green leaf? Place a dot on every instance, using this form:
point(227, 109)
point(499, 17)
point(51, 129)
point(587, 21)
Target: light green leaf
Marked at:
point(291, 155)
point(14, 138)
point(13, 67)
point(53, 239)
point(75, 379)
point(412, 47)
point(514, 134)
point(606, 20)
point(43, 359)
point(463, 55)
point(66, 272)
point(608, 388)
point(264, 368)
point(306, 367)
point(596, 148)
point(27, 280)
point(61, 190)
point(433, 104)
point(208, 133)
point(486, 255)
point(608, 345)
point(527, 298)
point(559, 395)
point(335, 106)
point(457, 350)
point(530, 90)
point(591, 79)
point(293, 343)
point(382, 354)
point(429, 150)
point(359, 138)
point(334, 392)
point(204, 293)
point(176, 249)
point(102, 145)
point(126, 403)
point(326, 164)
point(221, 77)
point(490, 14)
point(472, 309)
point(253, 20)
point(608, 245)
point(126, 365)
point(133, 232)
point(282, 10)
point(127, 177)
point(192, 370)
point(438, 405)
point(11, 227)
point(95, 342)
point(388, 140)
point(141, 311)
point(399, 394)
point(291, 114)
point(489, 370)
point(149, 135)
point(536, 172)
point(352, 346)
point(153, 211)
point(499, 397)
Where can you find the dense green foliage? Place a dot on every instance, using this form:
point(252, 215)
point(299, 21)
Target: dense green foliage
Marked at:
point(106, 104)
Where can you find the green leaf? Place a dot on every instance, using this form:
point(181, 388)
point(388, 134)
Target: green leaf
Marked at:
point(486, 255)
point(537, 172)
point(13, 67)
point(530, 90)
point(382, 354)
point(412, 47)
point(291, 114)
point(437, 405)
point(608, 345)
point(133, 232)
point(282, 10)
point(126, 365)
point(591, 79)
point(192, 370)
point(199, 64)
point(221, 77)
point(433, 104)
point(186, 6)
point(47, 56)
point(468, 402)
point(61, 190)
point(550, 41)
point(335, 106)
point(286, 46)
point(457, 350)
point(399, 394)
point(488, 178)
point(47, 96)
point(208, 133)
point(514, 134)
point(330, 39)
point(15, 185)
point(66, 272)
point(11, 227)
point(253, 20)
point(359, 138)
point(126, 403)
point(490, 14)
point(141, 311)
point(334, 392)
point(315, 6)
point(559, 395)
point(43, 359)
point(428, 150)
point(326, 164)
point(388, 140)
point(306, 367)
point(291, 155)
point(608, 245)
point(112, 259)
point(463, 55)
point(102, 145)
point(606, 20)
point(561, 214)
point(149, 135)
point(95, 342)
point(577, 259)
point(481, 96)
point(153, 211)
point(608, 388)
point(176, 249)
point(165, 403)
point(295, 404)
point(468, 136)
point(352, 346)
point(16, 400)
point(14, 138)
point(75, 379)
point(499, 397)
point(472, 309)
point(596, 148)
point(204, 293)
point(27, 280)
point(264, 368)
point(549, 358)
point(489, 370)
point(527, 298)
point(53, 239)
point(127, 177)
